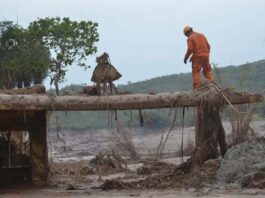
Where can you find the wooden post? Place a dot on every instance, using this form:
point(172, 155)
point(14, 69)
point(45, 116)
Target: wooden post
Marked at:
point(38, 147)
point(209, 132)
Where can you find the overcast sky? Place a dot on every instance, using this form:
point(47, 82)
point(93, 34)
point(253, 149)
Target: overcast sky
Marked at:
point(144, 37)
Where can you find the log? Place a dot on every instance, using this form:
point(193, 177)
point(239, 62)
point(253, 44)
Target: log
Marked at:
point(122, 102)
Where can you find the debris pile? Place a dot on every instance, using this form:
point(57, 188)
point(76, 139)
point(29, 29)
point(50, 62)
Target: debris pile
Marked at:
point(74, 169)
point(90, 90)
point(104, 163)
point(152, 167)
point(182, 176)
point(244, 164)
point(109, 161)
point(105, 73)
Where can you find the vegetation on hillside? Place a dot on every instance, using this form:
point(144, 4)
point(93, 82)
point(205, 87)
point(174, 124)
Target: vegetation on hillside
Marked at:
point(246, 77)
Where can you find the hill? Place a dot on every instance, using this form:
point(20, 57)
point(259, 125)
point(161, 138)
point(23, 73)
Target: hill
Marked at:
point(246, 77)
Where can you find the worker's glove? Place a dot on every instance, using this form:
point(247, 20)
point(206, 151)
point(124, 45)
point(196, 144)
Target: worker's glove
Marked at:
point(185, 60)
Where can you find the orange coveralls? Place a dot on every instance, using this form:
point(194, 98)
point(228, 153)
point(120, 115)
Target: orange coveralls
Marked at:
point(199, 47)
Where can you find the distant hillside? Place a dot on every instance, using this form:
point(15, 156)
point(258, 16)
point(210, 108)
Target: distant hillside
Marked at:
point(247, 77)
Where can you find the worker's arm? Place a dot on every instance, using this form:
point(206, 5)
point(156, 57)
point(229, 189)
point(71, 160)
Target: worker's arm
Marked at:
point(189, 50)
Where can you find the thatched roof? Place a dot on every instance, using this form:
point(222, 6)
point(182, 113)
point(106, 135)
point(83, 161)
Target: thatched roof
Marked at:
point(104, 71)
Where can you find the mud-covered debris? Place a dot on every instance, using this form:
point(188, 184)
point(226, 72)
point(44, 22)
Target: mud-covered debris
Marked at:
point(244, 164)
point(110, 160)
point(181, 176)
point(104, 71)
point(134, 194)
point(254, 180)
point(112, 184)
point(150, 167)
point(70, 187)
point(86, 171)
point(144, 170)
point(90, 90)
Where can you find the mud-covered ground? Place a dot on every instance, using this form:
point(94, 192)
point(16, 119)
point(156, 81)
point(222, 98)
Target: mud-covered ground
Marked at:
point(74, 145)
point(170, 193)
point(72, 174)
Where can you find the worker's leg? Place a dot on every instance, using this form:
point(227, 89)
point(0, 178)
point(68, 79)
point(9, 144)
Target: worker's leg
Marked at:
point(207, 70)
point(196, 68)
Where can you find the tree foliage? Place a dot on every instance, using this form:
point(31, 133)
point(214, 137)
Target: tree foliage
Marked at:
point(69, 42)
point(22, 61)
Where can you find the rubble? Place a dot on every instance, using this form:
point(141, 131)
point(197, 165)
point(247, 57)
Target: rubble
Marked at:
point(151, 167)
point(169, 176)
point(244, 164)
point(109, 160)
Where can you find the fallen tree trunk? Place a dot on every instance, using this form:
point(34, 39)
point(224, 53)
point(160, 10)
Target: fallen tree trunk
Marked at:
point(121, 102)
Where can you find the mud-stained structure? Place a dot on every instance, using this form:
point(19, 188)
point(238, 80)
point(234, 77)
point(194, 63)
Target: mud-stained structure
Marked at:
point(23, 152)
point(23, 141)
point(23, 123)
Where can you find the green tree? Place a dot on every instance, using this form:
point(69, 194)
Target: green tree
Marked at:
point(69, 42)
point(35, 61)
point(22, 60)
point(10, 36)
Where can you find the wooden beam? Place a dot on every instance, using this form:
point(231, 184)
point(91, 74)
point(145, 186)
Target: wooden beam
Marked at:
point(121, 102)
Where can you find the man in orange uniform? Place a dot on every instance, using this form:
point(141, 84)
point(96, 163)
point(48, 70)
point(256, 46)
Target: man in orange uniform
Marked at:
point(199, 48)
